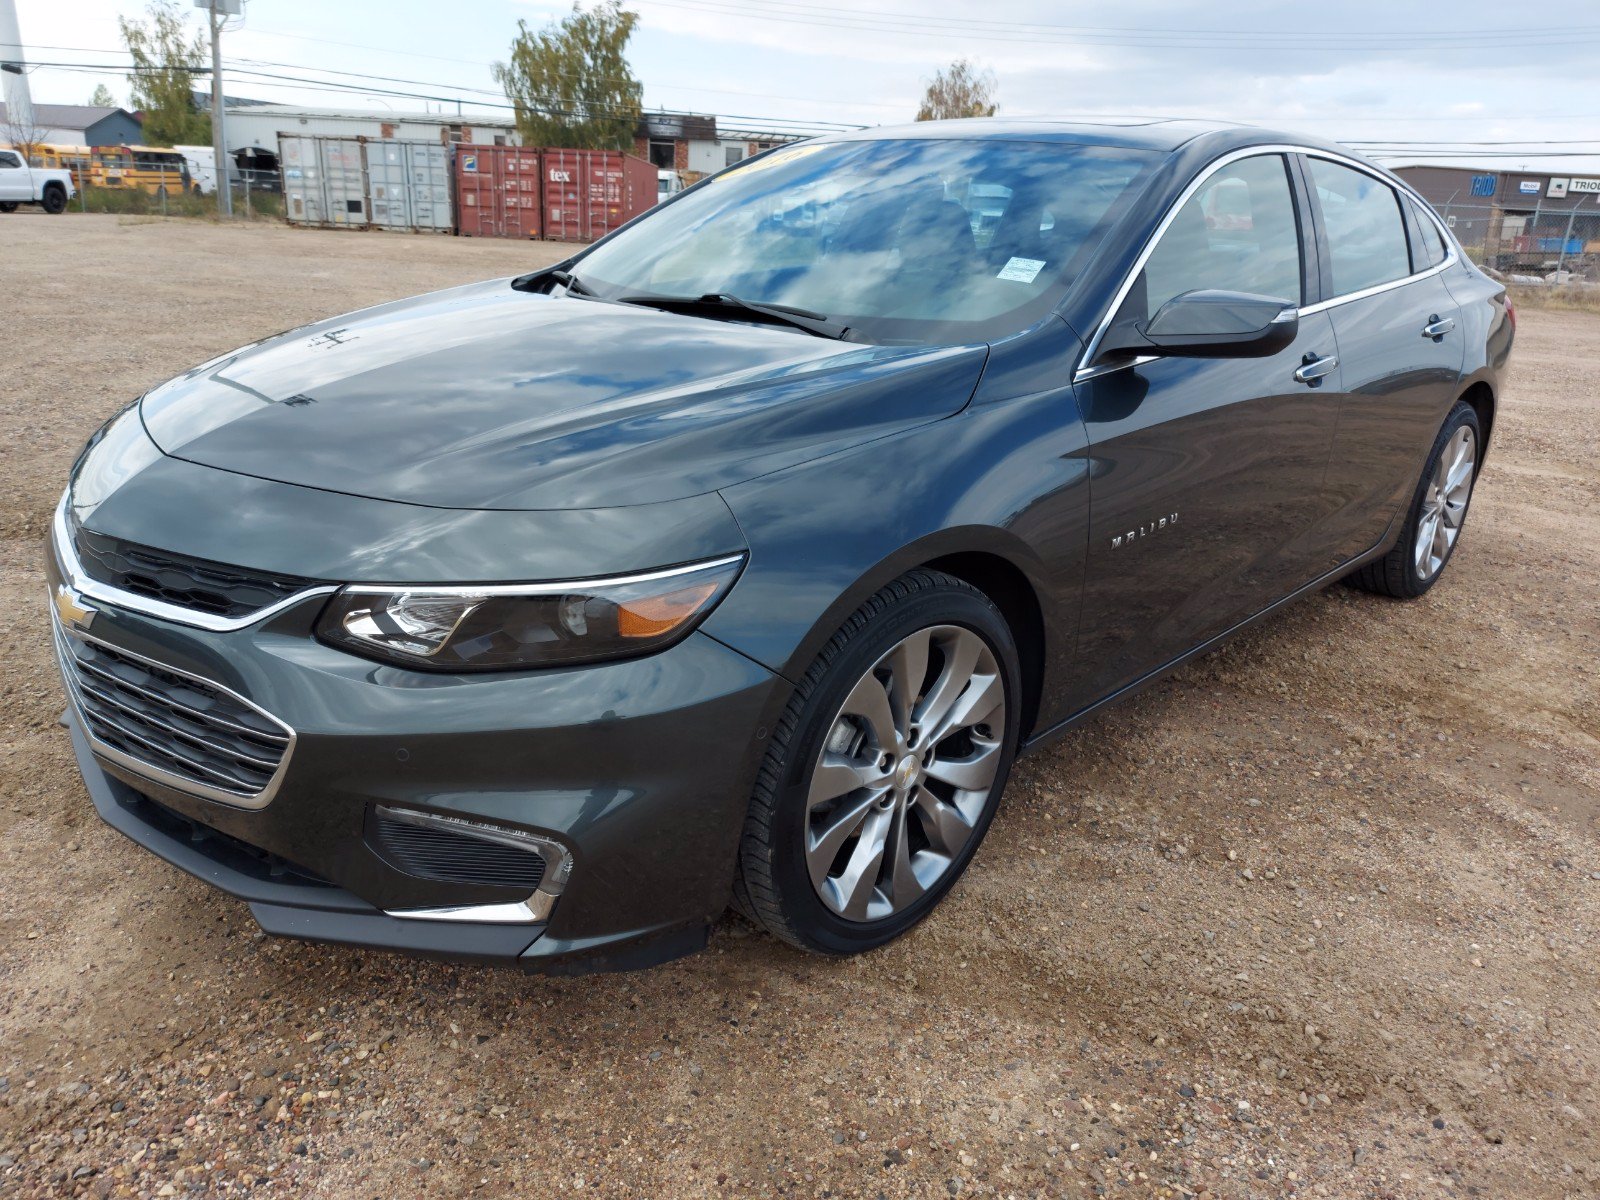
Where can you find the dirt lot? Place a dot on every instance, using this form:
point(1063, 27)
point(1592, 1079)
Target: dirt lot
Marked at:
point(1315, 917)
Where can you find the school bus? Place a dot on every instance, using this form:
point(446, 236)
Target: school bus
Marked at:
point(153, 169)
point(75, 159)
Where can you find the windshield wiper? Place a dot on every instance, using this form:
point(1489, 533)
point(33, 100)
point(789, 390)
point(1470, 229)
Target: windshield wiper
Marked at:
point(799, 318)
point(574, 285)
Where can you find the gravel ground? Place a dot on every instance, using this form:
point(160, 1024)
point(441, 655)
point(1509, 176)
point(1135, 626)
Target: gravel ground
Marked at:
point(1314, 917)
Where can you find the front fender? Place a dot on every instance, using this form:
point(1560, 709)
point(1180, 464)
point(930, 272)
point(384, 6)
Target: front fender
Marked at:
point(1008, 479)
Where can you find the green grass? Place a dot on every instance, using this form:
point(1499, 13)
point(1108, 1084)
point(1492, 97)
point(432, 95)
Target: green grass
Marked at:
point(132, 202)
point(1570, 297)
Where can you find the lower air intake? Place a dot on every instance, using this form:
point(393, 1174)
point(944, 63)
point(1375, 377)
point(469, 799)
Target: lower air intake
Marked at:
point(454, 851)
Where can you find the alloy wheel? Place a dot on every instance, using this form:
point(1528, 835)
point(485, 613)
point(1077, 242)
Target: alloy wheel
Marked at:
point(1444, 503)
point(905, 773)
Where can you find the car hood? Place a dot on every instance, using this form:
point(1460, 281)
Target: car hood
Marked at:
point(486, 397)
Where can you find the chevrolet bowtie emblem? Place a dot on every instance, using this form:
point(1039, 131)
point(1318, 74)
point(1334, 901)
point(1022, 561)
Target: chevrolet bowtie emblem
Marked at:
point(71, 608)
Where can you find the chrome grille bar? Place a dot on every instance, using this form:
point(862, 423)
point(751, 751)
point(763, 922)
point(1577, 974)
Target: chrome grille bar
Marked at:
point(173, 727)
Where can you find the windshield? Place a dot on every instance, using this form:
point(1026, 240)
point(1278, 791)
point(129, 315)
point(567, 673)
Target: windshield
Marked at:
point(906, 241)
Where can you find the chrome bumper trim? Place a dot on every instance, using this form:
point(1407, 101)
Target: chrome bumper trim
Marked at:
point(535, 910)
point(72, 571)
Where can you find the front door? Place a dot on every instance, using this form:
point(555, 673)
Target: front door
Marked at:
point(1206, 484)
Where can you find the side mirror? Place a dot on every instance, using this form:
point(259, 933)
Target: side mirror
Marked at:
point(1210, 324)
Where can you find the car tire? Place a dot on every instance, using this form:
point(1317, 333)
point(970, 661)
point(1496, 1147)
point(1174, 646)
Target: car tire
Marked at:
point(1437, 515)
point(54, 199)
point(8, 206)
point(901, 792)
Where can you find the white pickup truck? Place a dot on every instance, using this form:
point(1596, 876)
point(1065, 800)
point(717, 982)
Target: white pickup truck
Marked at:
point(22, 184)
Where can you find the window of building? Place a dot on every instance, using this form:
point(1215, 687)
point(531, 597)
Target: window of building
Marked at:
point(663, 154)
point(732, 154)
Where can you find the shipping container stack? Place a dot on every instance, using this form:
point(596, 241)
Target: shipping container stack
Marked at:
point(474, 191)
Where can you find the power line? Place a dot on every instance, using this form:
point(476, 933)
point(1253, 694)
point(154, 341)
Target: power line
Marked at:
point(918, 26)
point(785, 125)
point(966, 23)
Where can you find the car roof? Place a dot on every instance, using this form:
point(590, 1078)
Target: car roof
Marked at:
point(1161, 134)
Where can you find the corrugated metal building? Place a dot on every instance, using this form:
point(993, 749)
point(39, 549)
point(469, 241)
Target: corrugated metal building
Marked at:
point(259, 125)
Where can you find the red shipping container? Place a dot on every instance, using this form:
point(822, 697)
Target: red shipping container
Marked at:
point(497, 191)
point(588, 193)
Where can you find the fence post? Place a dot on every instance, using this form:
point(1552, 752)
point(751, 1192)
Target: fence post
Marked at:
point(1561, 257)
point(163, 189)
point(245, 177)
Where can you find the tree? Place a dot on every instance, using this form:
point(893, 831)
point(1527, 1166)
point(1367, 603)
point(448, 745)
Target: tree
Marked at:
point(166, 59)
point(102, 97)
point(23, 136)
point(962, 89)
point(570, 83)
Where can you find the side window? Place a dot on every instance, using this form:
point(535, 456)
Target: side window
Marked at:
point(1237, 233)
point(1431, 250)
point(10, 160)
point(1366, 235)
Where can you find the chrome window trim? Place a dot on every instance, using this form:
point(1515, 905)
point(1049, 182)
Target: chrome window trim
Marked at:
point(550, 587)
point(72, 571)
point(534, 910)
point(145, 770)
point(1085, 371)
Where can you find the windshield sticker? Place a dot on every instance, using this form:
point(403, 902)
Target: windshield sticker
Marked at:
point(1022, 270)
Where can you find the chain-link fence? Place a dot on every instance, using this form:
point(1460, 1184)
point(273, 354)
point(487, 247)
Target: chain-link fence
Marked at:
point(110, 185)
point(1545, 237)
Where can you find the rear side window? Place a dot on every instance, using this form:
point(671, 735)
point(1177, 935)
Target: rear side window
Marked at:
point(1237, 233)
point(10, 160)
point(1366, 235)
point(1430, 248)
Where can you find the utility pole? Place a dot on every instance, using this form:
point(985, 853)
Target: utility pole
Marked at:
point(216, 10)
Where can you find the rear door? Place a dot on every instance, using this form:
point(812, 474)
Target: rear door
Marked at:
point(1400, 346)
point(1206, 485)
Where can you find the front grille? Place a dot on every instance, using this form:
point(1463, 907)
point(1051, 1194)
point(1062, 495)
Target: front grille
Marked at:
point(188, 730)
point(426, 848)
point(193, 583)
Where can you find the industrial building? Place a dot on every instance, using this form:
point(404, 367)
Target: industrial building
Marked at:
point(75, 125)
point(1515, 220)
point(692, 145)
point(252, 124)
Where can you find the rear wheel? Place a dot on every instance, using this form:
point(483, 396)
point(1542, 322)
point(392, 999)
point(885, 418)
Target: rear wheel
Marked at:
point(1437, 515)
point(54, 199)
point(885, 770)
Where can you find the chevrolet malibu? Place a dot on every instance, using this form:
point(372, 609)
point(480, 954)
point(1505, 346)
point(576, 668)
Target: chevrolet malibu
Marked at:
point(737, 556)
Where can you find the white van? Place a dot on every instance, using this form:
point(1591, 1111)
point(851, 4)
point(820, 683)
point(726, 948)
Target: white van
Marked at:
point(202, 162)
point(668, 185)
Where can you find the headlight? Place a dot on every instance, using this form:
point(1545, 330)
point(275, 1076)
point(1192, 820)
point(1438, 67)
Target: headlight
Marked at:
point(497, 627)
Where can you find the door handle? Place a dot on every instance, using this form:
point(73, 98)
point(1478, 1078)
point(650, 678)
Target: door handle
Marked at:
point(1314, 369)
point(1438, 326)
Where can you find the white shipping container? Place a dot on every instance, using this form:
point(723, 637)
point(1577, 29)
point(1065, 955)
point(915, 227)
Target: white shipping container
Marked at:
point(409, 184)
point(366, 183)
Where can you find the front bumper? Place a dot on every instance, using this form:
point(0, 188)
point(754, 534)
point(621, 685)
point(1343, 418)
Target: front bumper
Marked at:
point(641, 770)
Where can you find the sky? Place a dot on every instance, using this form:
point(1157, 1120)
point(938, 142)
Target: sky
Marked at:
point(1430, 80)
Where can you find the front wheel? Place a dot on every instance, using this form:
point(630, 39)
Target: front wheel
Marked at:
point(1437, 514)
point(8, 206)
point(885, 770)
